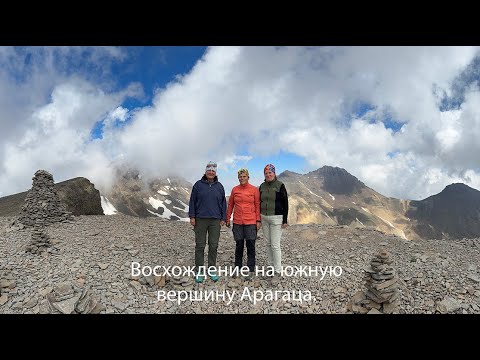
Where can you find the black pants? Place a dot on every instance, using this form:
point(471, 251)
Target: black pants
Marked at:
point(245, 234)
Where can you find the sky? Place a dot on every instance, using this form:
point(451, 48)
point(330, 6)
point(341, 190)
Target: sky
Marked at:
point(404, 120)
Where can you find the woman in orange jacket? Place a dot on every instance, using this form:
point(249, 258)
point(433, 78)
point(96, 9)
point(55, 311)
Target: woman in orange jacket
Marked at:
point(244, 202)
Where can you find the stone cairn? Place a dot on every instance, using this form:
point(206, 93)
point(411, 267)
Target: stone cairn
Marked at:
point(40, 239)
point(381, 295)
point(42, 203)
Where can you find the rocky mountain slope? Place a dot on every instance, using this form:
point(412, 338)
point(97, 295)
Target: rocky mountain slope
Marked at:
point(454, 212)
point(78, 194)
point(163, 197)
point(97, 252)
point(330, 195)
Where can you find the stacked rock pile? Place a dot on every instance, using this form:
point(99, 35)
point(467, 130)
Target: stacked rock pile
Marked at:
point(381, 295)
point(40, 240)
point(42, 203)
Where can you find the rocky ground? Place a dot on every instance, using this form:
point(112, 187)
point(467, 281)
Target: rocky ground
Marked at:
point(95, 253)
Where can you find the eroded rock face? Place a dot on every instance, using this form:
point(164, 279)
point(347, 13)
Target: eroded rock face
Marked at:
point(80, 196)
point(42, 203)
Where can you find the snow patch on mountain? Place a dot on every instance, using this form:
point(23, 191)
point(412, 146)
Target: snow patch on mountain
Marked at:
point(310, 191)
point(386, 221)
point(185, 206)
point(166, 212)
point(108, 208)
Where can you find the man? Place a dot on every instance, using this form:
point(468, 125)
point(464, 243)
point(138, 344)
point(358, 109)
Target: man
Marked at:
point(207, 212)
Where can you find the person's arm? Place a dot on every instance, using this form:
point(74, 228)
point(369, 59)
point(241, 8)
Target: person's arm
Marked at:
point(224, 206)
point(283, 190)
point(256, 200)
point(230, 208)
point(191, 205)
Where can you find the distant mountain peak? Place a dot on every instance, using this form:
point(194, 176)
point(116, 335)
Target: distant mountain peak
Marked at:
point(338, 180)
point(455, 212)
point(457, 188)
point(332, 170)
point(287, 173)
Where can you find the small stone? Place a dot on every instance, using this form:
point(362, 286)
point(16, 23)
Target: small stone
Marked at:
point(63, 289)
point(66, 306)
point(119, 304)
point(470, 289)
point(160, 280)
point(31, 303)
point(45, 291)
point(98, 309)
point(473, 277)
point(150, 280)
point(448, 305)
point(359, 309)
point(7, 284)
point(136, 285)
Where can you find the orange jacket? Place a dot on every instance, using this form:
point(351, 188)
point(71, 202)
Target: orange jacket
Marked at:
point(244, 201)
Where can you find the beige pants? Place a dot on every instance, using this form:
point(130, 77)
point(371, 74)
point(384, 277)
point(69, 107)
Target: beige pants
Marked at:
point(272, 231)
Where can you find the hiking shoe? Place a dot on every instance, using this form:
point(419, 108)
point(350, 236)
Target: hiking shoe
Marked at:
point(199, 279)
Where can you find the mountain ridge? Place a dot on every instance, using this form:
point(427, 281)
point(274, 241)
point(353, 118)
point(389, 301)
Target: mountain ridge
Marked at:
point(329, 195)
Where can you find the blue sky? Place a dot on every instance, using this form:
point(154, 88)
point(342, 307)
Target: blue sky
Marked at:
point(404, 120)
point(153, 67)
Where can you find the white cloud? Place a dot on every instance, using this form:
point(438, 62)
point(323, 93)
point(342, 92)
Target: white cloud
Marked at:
point(232, 161)
point(119, 114)
point(48, 115)
point(58, 138)
point(254, 101)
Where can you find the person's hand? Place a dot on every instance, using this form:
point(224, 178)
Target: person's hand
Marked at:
point(192, 221)
point(259, 224)
point(222, 223)
point(284, 226)
point(227, 223)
